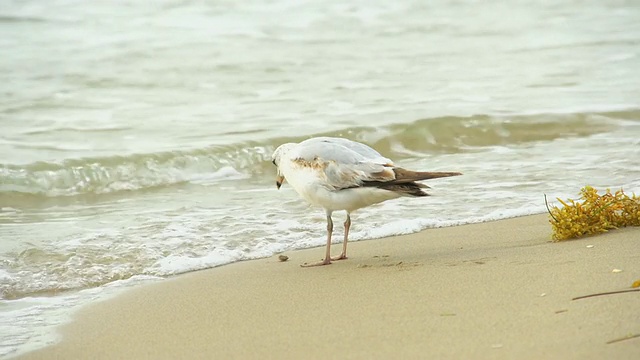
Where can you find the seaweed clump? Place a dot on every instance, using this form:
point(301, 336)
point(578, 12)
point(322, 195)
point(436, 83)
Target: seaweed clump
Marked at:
point(594, 214)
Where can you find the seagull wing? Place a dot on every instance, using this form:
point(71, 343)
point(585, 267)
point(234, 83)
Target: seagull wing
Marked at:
point(342, 163)
point(340, 150)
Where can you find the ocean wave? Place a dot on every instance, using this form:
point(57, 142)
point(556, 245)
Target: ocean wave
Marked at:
point(136, 172)
point(128, 173)
point(481, 132)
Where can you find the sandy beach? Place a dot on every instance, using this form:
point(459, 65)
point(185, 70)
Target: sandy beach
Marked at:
point(496, 290)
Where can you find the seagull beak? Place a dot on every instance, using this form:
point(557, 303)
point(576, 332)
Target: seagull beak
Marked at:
point(279, 181)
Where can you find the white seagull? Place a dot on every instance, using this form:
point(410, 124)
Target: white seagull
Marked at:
point(340, 174)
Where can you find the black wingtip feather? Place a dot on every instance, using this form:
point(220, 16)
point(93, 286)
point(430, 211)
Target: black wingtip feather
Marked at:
point(410, 189)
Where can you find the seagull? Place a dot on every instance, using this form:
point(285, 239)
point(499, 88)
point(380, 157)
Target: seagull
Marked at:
point(340, 174)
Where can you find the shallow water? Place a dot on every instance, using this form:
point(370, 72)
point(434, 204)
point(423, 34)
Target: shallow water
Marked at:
point(136, 138)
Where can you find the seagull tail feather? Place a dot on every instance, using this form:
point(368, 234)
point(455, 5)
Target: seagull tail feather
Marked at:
point(406, 176)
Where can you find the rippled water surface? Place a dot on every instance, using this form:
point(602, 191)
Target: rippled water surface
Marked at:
point(135, 137)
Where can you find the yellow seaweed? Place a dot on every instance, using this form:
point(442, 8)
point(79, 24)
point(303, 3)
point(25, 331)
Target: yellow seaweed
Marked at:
point(595, 214)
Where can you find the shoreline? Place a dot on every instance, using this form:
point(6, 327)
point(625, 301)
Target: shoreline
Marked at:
point(498, 289)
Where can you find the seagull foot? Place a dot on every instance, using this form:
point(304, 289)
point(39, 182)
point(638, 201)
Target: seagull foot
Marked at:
point(326, 261)
point(341, 257)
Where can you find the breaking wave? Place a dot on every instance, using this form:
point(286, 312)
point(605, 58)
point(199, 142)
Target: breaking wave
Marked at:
point(140, 172)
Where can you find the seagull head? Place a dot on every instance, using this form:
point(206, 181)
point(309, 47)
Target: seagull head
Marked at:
point(279, 154)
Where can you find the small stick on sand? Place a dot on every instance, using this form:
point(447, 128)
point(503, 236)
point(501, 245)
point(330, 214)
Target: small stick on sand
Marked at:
point(549, 211)
point(630, 336)
point(605, 293)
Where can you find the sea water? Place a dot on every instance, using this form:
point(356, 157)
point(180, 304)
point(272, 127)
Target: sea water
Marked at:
point(136, 137)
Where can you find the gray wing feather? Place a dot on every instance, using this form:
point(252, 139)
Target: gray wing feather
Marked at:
point(340, 150)
point(346, 163)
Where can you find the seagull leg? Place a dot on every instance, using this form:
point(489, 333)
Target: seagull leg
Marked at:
point(327, 257)
point(347, 225)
